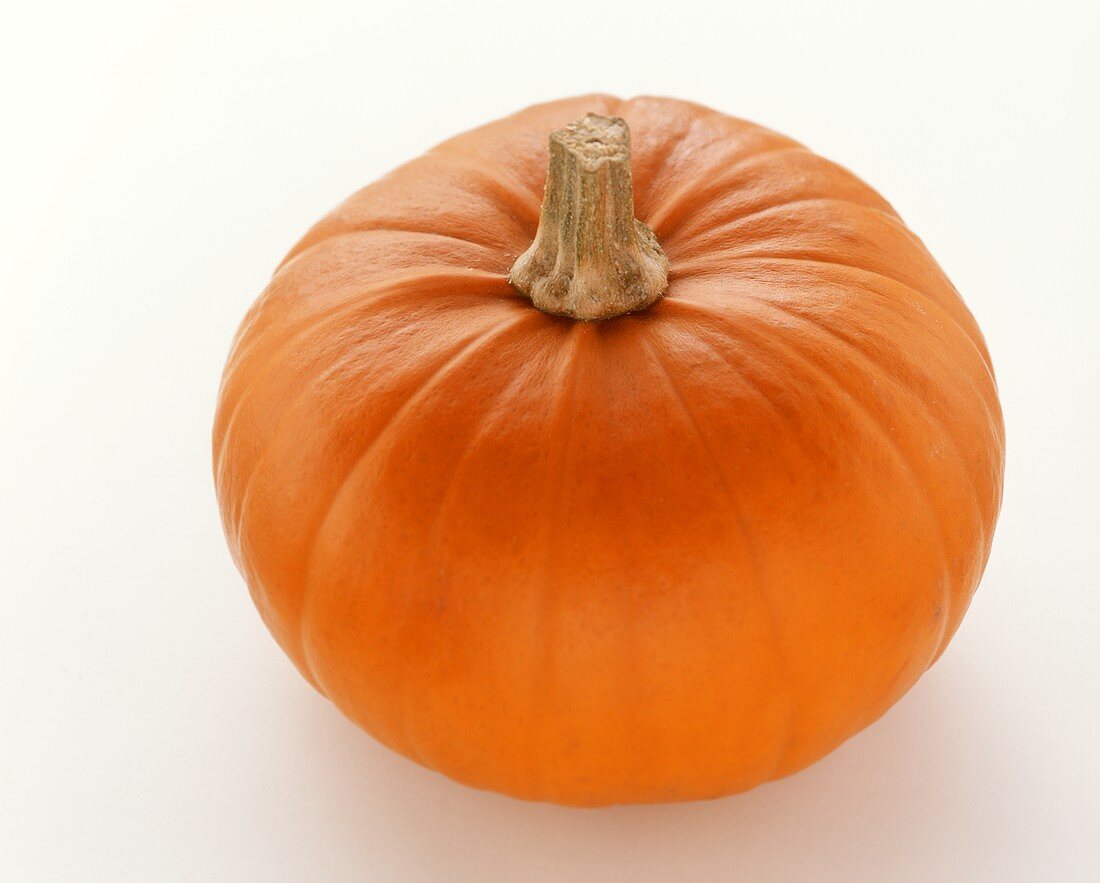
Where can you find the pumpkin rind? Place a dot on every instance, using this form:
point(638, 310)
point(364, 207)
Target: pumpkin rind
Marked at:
point(666, 556)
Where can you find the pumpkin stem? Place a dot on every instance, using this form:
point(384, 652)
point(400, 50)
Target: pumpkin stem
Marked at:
point(591, 259)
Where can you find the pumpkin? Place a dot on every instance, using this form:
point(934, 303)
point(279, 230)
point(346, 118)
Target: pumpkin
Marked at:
point(649, 465)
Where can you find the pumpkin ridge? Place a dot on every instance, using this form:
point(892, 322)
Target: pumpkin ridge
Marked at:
point(941, 305)
point(565, 411)
point(433, 535)
point(341, 228)
point(448, 366)
point(715, 238)
point(815, 184)
point(979, 393)
point(722, 229)
point(684, 199)
point(356, 297)
point(288, 411)
point(946, 599)
point(762, 258)
point(643, 196)
point(860, 409)
point(244, 495)
point(333, 237)
point(873, 420)
point(782, 663)
point(319, 323)
point(926, 326)
point(484, 170)
point(688, 306)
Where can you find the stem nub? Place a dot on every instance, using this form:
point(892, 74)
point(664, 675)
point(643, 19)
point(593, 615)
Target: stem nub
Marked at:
point(591, 259)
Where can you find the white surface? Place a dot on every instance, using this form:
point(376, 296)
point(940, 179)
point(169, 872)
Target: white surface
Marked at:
point(157, 164)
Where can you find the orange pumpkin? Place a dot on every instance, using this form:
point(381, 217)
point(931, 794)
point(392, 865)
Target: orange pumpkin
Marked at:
point(695, 499)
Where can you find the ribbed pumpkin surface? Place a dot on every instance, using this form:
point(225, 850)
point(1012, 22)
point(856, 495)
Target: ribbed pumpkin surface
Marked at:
point(666, 556)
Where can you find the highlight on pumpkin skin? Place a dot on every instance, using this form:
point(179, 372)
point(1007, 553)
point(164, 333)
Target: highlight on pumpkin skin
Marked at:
point(663, 557)
point(591, 259)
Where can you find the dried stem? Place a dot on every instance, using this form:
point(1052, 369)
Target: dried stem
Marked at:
point(591, 259)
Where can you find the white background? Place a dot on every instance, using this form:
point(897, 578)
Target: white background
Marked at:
point(158, 162)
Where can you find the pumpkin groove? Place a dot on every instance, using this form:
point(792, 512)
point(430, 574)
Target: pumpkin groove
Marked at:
point(323, 322)
point(866, 415)
point(759, 580)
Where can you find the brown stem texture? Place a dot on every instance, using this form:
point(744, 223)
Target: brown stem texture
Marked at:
point(591, 259)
